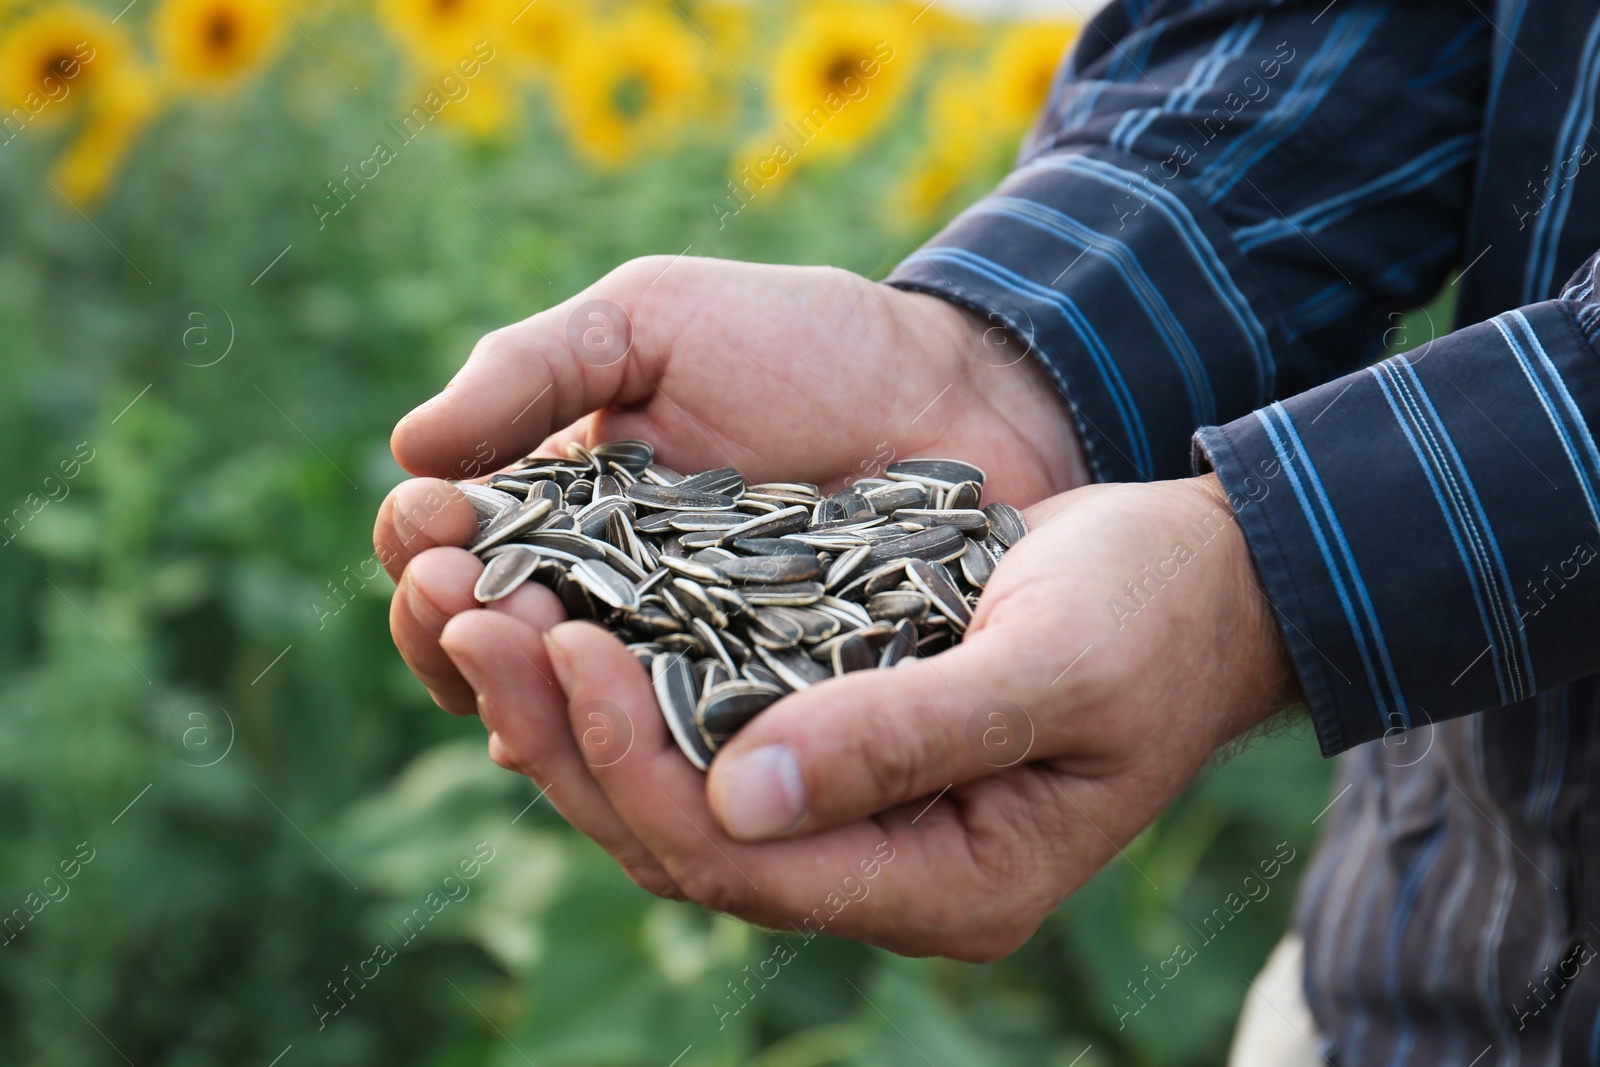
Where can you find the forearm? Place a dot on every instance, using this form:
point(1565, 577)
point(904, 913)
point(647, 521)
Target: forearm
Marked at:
point(1175, 248)
point(1427, 528)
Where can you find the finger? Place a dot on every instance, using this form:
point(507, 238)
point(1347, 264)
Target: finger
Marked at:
point(500, 651)
point(417, 515)
point(603, 347)
point(935, 882)
point(662, 797)
point(870, 741)
point(433, 590)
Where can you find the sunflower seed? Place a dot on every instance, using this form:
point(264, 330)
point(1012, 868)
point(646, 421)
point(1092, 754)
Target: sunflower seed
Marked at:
point(890, 498)
point(976, 565)
point(934, 580)
point(592, 518)
point(511, 522)
point(852, 654)
point(795, 668)
point(937, 543)
point(897, 604)
point(678, 497)
point(787, 594)
point(693, 569)
point(771, 546)
point(775, 569)
point(672, 677)
point(633, 456)
point(509, 484)
point(962, 496)
point(722, 480)
point(486, 502)
point(1006, 523)
point(938, 473)
point(504, 573)
point(846, 566)
point(656, 474)
point(601, 581)
point(774, 628)
point(729, 705)
point(967, 520)
point(902, 644)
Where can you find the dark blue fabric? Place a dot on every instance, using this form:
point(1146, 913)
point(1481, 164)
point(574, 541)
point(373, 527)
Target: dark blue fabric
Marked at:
point(1208, 239)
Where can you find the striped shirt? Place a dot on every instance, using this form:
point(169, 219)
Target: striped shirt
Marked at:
point(1208, 239)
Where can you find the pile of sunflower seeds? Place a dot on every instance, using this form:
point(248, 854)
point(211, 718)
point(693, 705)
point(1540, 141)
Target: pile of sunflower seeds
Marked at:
point(732, 595)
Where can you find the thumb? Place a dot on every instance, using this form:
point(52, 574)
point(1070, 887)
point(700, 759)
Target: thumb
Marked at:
point(867, 742)
point(524, 381)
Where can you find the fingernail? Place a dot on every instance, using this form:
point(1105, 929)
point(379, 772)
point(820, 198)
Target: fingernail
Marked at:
point(427, 612)
point(559, 661)
point(466, 665)
point(765, 793)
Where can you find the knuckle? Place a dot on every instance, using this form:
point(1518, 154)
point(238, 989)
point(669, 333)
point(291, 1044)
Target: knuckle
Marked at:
point(893, 757)
point(712, 890)
point(653, 880)
point(493, 345)
point(633, 274)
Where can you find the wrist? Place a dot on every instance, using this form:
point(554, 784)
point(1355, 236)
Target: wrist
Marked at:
point(1251, 644)
point(1001, 370)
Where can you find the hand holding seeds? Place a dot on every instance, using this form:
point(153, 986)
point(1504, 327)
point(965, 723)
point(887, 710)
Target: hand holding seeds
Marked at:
point(998, 775)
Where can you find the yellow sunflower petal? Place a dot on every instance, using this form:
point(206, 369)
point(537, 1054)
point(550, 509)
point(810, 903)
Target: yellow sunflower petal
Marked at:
point(963, 140)
point(439, 32)
point(1023, 66)
point(539, 33)
point(487, 105)
point(84, 171)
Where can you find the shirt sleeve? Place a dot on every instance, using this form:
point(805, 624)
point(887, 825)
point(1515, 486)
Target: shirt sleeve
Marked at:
point(1427, 529)
point(1218, 207)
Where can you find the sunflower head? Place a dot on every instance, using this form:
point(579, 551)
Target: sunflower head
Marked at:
point(56, 59)
point(630, 83)
point(439, 32)
point(216, 44)
point(842, 70)
point(1023, 66)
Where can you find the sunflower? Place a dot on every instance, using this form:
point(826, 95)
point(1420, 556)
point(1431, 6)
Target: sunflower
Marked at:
point(961, 140)
point(52, 61)
point(84, 171)
point(541, 31)
point(1022, 68)
point(216, 44)
point(842, 71)
point(630, 84)
point(439, 32)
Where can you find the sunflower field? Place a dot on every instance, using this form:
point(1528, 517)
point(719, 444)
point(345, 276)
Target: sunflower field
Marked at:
point(239, 239)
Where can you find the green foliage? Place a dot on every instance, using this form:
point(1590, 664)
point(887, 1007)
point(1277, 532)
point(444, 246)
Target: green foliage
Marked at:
point(194, 628)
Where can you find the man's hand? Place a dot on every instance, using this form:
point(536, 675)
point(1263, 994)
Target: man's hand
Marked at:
point(1114, 650)
point(788, 373)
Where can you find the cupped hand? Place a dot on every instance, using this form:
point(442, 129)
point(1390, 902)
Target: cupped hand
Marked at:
point(788, 373)
point(944, 806)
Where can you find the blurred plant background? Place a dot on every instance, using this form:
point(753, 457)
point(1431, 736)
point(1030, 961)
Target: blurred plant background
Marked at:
point(240, 239)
